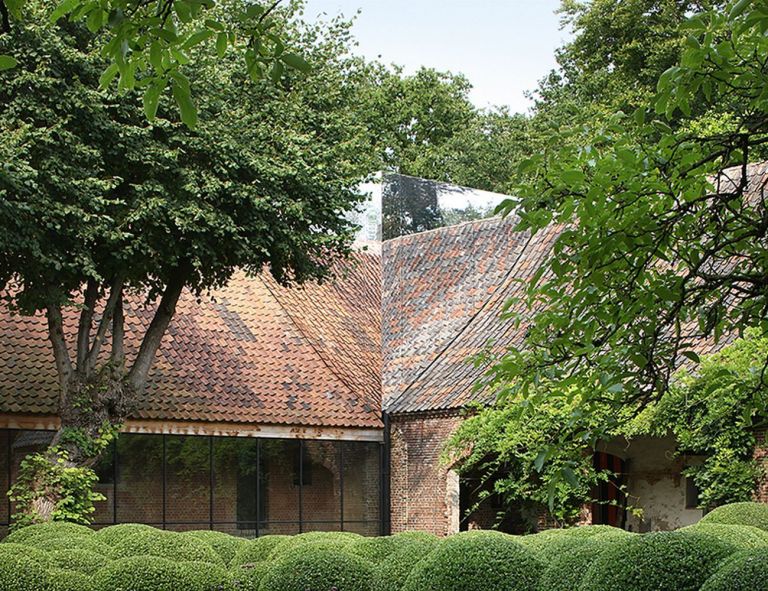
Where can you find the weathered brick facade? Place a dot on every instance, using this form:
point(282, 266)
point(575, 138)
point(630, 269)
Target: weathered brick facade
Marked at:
point(424, 493)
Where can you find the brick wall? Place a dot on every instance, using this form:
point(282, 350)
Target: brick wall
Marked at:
point(424, 496)
point(761, 455)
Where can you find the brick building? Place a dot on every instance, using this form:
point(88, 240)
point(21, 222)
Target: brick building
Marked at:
point(262, 415)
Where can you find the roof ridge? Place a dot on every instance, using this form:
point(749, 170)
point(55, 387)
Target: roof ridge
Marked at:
point(497, 218)
point(492, 296)
point(308, 339)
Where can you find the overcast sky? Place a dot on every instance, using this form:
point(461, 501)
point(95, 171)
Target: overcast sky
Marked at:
point(503, 46)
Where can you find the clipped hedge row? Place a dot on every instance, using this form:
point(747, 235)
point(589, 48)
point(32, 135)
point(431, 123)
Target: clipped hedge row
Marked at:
point(728, 550)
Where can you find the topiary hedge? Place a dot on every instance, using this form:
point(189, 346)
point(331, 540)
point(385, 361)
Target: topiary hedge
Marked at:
point(317, 567)
point(68, 580)
point(392, 572)
point(476, 561)
point(38, 556)
point(114, 534)
point(376, 550)
point(744, 537)
point(663, 561)
point(754, 514)
point(744, 571)
point(166, 544)
point(247, 577)
point(71, 541)
point(204, 576)
point(54, 529)
point(21, 573)
point(338, 539)
point(564, 570)
point(258, 550)
point(225, 545)
point(77, 560)
point(141, 573)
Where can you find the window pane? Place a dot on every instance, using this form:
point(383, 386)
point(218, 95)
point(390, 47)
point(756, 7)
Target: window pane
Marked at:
point(105, 470)
point(286, 529)
point(188, 479)
point(278, 488)
point(321, 495)
point(140, 478)
point(235, 480)
point(361, 482)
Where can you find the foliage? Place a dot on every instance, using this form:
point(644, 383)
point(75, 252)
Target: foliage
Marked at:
point(249, 575)
point(376, 550)
point(204, 576)
point(714, 413)
point(68, 580)
point(564, 571)
point(21, 573)
point(37, 556)
point(141, 573)
point(77, 559)
point(37, 472)
point(663, 561)
point(166, 544)
point(313, 567)
point(115, 534)
point(392, 572)
point(225, 545)
point(658, 247)
point(744, 571)
point(476, 561)
point(742, 536)
point(746, 513)
point(339, 540)
point(258, 550)
point(47, 531)
point(148, 44)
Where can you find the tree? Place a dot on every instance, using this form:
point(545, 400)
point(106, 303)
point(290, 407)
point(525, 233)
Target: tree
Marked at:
point(97, 205)
point(147, 43)
point(664, 231)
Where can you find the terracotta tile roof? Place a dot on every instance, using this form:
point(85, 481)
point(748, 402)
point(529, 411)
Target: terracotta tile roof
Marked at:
point(433, 328)
point(254, 352)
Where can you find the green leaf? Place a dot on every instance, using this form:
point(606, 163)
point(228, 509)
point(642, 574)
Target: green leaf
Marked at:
point(64, 7)
point(570, 477)
point(692, 356)
point(7, 62)
point(739, 8)
point(572, 177)
point(107, 76)
point(152, 99)
point(276, 73)
point(221, 44)
point(541, 457)
point(197, 38)
point(156, 56)
point(295, 61)
point(187, 107)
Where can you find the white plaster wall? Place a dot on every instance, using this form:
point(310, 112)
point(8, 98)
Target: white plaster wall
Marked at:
point(655, 484)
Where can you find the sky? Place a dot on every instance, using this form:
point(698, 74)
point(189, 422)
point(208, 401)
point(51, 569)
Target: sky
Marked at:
point(504, 47)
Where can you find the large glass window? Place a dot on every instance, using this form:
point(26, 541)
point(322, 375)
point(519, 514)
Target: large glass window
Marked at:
point(243, 486)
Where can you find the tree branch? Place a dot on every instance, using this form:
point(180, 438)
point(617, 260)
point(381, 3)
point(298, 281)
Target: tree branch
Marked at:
point(137, 376)
point(118, 335)
point(115, 293)
point(59, 343)
point(5, 21)
point(86, 321)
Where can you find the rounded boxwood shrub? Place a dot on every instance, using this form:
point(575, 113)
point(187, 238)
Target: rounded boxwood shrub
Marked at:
point(392, 572)
point(754, 514)
point(258, 550)
point(71, 542)
point(114, 534)
point(75, 559)
point(166, 544)
point(49, 530)
point(476, 561)
point(564, 570)
point(68, 580)
point(541, 541)
point(590, 531)
point(140, 573)
point(338, 539)
point(744, 571)
point(744, 537)
point(35, 554)
point(225, 545)
point(21, 573)
point(317, 567)
point(204, 576)
point(662, 561)
point(375, 550)
point(247, 577)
